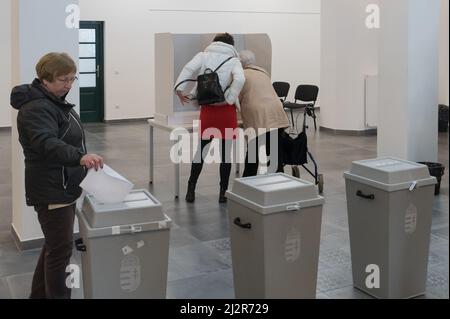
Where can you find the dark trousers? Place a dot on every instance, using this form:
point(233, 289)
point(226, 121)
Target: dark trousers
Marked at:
point(252, 155)
point(49, 279)
point(225, 164)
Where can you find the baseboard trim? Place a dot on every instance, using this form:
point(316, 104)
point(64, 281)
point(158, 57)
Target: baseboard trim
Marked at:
point(368, 132)
point(26, 244)
point(142, 119)
point(33, 243)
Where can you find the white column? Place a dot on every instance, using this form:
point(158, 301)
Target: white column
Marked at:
point(348, 53)
point(408, 79)
point(443, 54)
point(38, 27)
point(5, 62)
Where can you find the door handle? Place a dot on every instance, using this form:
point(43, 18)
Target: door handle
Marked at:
point(98, 71)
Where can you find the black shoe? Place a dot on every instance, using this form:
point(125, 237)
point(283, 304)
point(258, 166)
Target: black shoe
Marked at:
point(190, 195)
point(222, 198)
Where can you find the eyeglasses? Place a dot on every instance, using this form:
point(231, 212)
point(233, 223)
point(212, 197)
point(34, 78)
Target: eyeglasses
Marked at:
point(67, 80)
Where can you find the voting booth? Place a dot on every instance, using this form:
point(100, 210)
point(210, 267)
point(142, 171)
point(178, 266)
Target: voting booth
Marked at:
point(173, 51)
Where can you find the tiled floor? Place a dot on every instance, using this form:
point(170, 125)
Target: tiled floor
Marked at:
point(199, 256)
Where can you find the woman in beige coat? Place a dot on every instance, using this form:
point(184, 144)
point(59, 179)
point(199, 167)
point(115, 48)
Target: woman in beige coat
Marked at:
point(262, 111)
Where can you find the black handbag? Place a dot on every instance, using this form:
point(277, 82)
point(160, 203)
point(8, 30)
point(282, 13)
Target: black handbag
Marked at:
point(294, 150)
point(209, 90)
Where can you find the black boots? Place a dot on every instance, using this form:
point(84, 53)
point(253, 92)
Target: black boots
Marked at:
point(190, 195)
point(222, 198)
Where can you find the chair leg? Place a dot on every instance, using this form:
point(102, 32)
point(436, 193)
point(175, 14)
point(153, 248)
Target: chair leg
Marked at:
point(314, 117)
point(292, 117)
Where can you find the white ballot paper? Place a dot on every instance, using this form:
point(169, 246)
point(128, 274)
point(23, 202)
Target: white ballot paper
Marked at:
point(106, 185)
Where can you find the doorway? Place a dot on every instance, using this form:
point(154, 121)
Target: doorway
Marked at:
point(91, 75)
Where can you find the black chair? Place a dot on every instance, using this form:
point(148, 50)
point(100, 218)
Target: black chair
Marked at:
point(304, 93)
point(282, 89)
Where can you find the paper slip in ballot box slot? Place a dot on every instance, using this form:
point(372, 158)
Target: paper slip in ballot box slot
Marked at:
point(106, 185)
point(275, 236)
point(389, 203)
point(125, 247)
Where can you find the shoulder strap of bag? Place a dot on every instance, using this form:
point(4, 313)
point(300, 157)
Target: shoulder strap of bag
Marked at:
point(255, 69)
point(223, 63)
point(188, 80)
point(192, 80)
point(220, 67)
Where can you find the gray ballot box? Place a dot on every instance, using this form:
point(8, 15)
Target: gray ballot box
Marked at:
point(125, 247)
point(389, 203)
point(275, 223)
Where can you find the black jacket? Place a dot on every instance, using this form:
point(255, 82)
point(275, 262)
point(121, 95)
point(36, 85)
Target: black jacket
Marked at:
point(53, 143)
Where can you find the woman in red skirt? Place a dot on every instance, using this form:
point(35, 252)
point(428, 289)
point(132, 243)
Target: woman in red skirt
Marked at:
point(216, 120)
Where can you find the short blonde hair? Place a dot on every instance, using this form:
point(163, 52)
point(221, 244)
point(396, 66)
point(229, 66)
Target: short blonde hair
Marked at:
point(54, 64)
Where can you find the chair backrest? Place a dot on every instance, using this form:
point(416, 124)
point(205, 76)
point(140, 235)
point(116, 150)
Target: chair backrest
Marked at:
point(282, 89)
point(306, 93)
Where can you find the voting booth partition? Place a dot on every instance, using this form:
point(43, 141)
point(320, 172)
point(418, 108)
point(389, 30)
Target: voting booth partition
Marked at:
point(173, 51)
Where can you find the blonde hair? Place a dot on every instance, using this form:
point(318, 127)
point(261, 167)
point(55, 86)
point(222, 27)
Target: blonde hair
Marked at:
point(54, 64)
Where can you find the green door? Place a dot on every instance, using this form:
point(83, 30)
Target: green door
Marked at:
point(91, 71)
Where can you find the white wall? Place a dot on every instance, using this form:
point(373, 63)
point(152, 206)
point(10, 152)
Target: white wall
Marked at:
point(5, 62)
point(348, 52)
point(131, 24)
point(293, 26)
point(443, 54)
point(39, 28)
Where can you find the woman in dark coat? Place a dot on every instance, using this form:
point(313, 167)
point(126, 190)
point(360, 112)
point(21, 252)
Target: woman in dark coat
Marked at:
point(56, 160)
